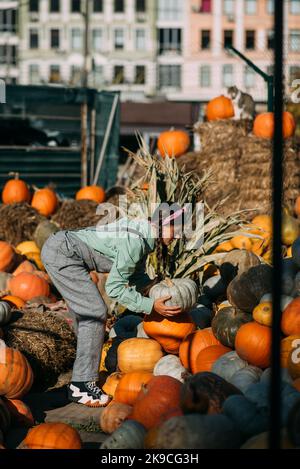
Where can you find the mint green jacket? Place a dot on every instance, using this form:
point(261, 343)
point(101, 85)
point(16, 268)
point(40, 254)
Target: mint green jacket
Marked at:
point(127, 243)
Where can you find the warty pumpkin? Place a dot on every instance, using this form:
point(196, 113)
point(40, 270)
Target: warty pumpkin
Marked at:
point(20, 412)
point(205, 393)
point(169, 332)
point(208, 356)
point(28, 285)
point(227, 322)
point(264, 125)
point(253, 344)
point(155, 398)
point(15, 190)
point(138, 355)
point(16, 375)
point(183, 292)
point(219, 108)
point(95, 193)
point(7, 257)
point(173, 143)
point(290, 320)
point(111, 383)
point(262, 313)
point(192, 346)
point(113, 416)
point(45, 201)
point(288, 344)
point(130, 385)
point(53, 436)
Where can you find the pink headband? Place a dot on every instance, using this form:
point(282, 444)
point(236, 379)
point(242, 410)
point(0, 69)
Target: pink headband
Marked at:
point(174, 216)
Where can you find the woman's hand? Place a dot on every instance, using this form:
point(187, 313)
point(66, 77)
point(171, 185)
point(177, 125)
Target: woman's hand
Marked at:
point(168, 311)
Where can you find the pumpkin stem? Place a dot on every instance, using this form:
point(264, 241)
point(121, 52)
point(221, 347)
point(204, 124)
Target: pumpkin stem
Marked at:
point(169, 282)
point(15, 175)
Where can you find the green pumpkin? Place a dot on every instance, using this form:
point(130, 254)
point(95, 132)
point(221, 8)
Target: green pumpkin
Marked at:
point(130, 435)
point(243, 378)
point(42, 232)
point(227, 322)
point(5, 313)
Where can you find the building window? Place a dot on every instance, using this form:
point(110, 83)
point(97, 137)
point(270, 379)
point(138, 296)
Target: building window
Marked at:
point(8, 21)
point(97, 39)
point(140, 39)
point(228, 7)
point(33, 38)
point(250, 40)
point(170, 76)
point(54, 38)
point(34, 6)
point(295, 40)
point(140, 6)
point(98, 6)
point(76, 39)
point(169, 40)
point(34, 74)
point(205, 76)
point(270, 39)
point(140, 75)
point(119, 75)
point(249, 78)
point(205, 39)
point(98, 76)
point(270, 7)
point(54, 76)
point(119, 6)
point(206, 6)
point(295, 7)
point(76, 6)
point(251, 7)
point(75, 76)
point(227, 75)
point(228, 38)
point(170, 10)
point(294, 73)
point(54, 6)
point(8, 54)
point(119, 39)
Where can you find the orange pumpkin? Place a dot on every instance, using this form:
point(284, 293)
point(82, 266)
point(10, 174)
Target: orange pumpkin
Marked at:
point(297, 206)
point(28, 285)
point(290, 320)
point(287, 345)
point(45, 201)
point(111, 383)
point(241, 242)
point(253, 344)
point(169, 332)
point(264, 125)
point(138, 354)
point(95, 193)
point(16, 375)
point(25, 266)
point(15, 191)
point(262, 313)
point(28, 247)
point(192, 346)
point(219, 108)
point(113, 416)
point(159, 395)
point(130, 385)
point(20, 412)
point(207, 357)
point(53, 436)
point(7, 257)
point(173, 143)
point(226, 246)
point(262, 225)
point(14, 301)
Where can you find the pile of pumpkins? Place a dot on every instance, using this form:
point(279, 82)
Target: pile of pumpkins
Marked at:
point(202, 377)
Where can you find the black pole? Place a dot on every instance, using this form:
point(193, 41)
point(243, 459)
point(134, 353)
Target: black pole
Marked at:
point(275, 416)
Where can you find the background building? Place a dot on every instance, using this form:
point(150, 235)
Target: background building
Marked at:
point(9, 41)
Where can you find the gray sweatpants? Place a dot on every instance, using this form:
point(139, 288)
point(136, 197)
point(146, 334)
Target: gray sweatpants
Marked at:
point(68, 261)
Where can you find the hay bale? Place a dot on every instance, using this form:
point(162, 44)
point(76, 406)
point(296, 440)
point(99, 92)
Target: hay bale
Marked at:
point(18, 222)
point(47, 341)
point(77, 214)
point(221, 134)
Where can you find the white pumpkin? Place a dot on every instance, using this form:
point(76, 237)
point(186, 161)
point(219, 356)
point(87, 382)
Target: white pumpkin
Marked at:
point(183, 292)
point(244, 377)
point(170, 365)
point(140, 331)
point(5, 313)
